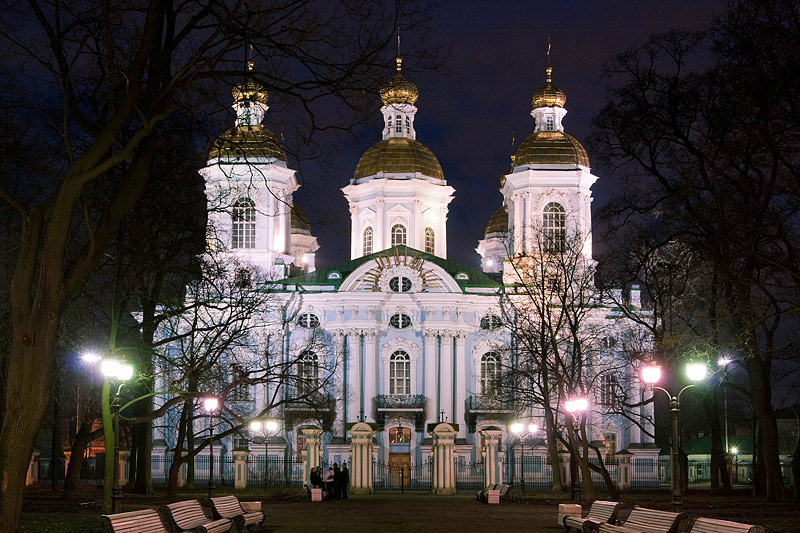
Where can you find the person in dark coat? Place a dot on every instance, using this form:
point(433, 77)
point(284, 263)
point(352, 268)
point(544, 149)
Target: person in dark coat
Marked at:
point(344, 480)
point(316, 481)
point(336, 481)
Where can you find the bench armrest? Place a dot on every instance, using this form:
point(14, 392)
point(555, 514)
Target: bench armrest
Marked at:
point(251, 507)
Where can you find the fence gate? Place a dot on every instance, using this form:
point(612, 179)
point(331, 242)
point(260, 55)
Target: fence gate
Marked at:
point(412, 479)
point(469, 476)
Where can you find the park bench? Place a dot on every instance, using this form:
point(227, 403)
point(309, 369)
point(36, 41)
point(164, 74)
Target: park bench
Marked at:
point(710, 525)
point(230, 507)
point(599, 512)
point(188, 515)
point(642, 520)
point(145, 521)
point(314, 493)
point(493, 493)
point(484, 493)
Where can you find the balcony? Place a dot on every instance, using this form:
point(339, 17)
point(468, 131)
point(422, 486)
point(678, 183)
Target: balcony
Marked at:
point(478, 406)
point(413, 405)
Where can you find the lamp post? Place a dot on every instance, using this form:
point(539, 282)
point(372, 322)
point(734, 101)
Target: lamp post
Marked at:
point(735, 452)
point(723, 363)
point(266, 428)
point(517, 428)
point(651, 374)
point(119, 372)
point(210, 405)
point(574, 408)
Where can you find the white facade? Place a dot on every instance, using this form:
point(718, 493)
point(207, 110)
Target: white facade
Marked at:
point(410, 335)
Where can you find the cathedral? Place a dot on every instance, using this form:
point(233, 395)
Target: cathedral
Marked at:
point(413, 338)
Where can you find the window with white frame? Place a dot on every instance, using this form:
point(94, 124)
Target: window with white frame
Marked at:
point(243, 234)
point(400, 284)
point(307, 372)
point(400, 321)
point(368, 241)
point(608, 390)
point(430, 241)
point(408, 125)
point(549, 123)
point(399, 373)
point(399, 127)
point(490, 373)
point(398, 235)
point(308, 320)
point(554, 221)
point(491, 322)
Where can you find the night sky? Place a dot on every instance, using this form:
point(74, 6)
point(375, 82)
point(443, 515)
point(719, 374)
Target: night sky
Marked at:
point(469, 111)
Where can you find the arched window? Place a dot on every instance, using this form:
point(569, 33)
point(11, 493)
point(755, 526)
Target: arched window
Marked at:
point(554, 221)
point(399, 127)
point(430, 241)
point(490, 373)
point(400, 284)
point(367, 241)
point(398, 235)
point(408, 125)
point(307, 372)
point(399, 435)
point(399, 373)
point(549, 123)
point(244, 224)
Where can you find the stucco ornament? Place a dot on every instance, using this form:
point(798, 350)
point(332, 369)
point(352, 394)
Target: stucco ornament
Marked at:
point(405, 271)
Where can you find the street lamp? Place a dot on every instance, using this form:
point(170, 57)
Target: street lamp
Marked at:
point(735, 452)
point(118, 371)
point(210, 405)
point(517, 429)
point(651, 374)
point(574, 407)
point(266, 428)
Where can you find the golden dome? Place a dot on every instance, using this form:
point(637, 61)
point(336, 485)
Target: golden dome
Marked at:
point(249, 91)
point(400, 155)
point(551, 148)
point(245, 142)
point(399, 90)
point(498, 222)
point(549, 96)
point(299, 220)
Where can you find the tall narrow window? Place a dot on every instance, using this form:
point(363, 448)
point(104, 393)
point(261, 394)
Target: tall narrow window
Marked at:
point(549, 123)
point(610, 444)
point(244, 224)
point(399, 373)
point(399, 127)
point(367, 241)
point(398, 235)
point(307, 375)
point(490, 373)
point(554, 221)
point(608, 390)
point(408, 125)
point(430, 242)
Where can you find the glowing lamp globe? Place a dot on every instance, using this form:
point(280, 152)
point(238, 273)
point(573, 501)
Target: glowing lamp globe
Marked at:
point(724, 361)
point(110, 367)
point(90, 357)
point(651, 374)
point(516, 427)
point(576, 405)
point(271, 425)
point(124, 372)
point(735, 451)
point(210, 404)
point(696, 371)
point(255, 425)
point(533, 428)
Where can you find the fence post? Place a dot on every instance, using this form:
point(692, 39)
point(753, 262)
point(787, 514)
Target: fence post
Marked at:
point(361, 480)
point(624, 469)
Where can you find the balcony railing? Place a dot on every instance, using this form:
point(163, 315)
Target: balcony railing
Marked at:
point(405, 402)
point(479, 406)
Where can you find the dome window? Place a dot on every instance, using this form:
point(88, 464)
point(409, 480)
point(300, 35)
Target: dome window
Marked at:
point(491, 322)
point(400, 321)
point(308, 320)
point(398, 235)
point(244, 224)
point(399, 127)
point(550, 123)
point(367, 241)
point(400, 284)
point(462, 276)
point(334, 275)
point(554, 220)
point(430, 241)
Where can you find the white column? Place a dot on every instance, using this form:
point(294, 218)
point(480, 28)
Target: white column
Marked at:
point(446, 378)
point(417, 230)
point(355, 233)
point(491, 467)
point(354, 373)
point(518, 222)
point(460, 384)
point(530, 224)
point(361, 458)
point(441, 233)
point(284, 223)
point(380, 242)
point(442, 448)
point(429, 384)
point(313, 450)
point(340, 391)
point(369, 371)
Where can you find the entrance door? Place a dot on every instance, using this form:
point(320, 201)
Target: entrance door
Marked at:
point(400, 464)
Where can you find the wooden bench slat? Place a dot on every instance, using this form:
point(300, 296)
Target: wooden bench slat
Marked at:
point(146, 520)
point(711, 525)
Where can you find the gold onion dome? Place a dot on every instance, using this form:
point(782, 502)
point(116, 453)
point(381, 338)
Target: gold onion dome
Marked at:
point(299, 220)
point(551, 148)
point(249, 91)
point(398, 155)
point(247, 142)
point(399, 90)
point(549, 96)
point(498, 222)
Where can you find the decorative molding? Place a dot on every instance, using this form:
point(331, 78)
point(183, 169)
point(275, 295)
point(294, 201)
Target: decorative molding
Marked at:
point(407, 346)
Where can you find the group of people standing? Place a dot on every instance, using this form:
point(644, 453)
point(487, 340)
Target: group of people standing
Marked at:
point(334, 482)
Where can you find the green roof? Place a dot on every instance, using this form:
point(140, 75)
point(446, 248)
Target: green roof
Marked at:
point(476, 278)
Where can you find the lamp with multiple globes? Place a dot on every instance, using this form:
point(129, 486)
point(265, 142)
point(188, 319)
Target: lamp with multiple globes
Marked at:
point(518, 429)
point(266, 428)
point(651, 374)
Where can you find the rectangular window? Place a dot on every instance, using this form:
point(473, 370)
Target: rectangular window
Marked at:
point(608, 390)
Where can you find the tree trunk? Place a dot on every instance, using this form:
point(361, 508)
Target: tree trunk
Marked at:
point(583, 460)
point(144, 432)
point(55, 438)
point(770, 467)
point(177, 458)
point(601, 468)
point(30, 372)
point(796, 472)
point(552, 449)
point(72, 479)
point(719, 468)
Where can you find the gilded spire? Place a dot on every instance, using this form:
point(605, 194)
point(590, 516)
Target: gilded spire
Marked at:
point(549, 96)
